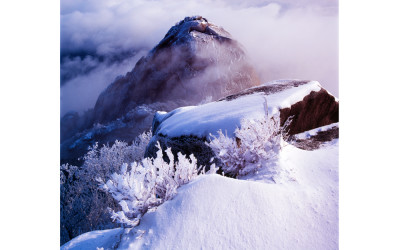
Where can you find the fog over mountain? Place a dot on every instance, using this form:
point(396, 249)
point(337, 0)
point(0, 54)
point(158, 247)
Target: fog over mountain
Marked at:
point(196, 62)
point(101, 40)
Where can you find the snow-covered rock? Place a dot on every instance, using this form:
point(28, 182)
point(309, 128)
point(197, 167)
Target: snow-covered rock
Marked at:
point(216, 212)
point(315, 138)
point(307, 101)
point(310, 105)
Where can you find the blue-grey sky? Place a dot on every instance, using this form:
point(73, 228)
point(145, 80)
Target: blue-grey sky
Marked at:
point(103, 39)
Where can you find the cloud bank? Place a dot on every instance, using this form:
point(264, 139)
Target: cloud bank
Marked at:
point(102, 39)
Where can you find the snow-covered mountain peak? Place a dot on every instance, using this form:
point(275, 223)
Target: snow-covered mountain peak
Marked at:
point(192, 28)
point(195, 62)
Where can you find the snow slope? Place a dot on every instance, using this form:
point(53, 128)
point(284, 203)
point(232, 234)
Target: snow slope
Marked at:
point(91, 240)
point(208, 118)
point(216, 212)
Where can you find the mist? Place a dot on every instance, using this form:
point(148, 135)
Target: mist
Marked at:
point(101, 40)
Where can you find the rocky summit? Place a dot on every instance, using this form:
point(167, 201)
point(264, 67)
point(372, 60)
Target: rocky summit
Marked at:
point(195, 62)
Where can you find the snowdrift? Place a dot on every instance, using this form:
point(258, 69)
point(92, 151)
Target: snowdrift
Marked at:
point(300, 211)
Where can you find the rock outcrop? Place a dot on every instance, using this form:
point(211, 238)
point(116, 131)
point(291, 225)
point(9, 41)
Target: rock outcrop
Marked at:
point(315, 138)
point(316, 109)
point(187, 129)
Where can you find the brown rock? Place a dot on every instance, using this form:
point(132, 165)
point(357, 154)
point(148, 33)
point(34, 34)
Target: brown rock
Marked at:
point(315, 110)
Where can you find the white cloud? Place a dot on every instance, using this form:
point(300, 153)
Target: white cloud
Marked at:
point(80, 93)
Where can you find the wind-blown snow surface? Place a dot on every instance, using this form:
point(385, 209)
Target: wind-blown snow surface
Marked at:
point(91, 240)
point(216, 212)
point(208, 118)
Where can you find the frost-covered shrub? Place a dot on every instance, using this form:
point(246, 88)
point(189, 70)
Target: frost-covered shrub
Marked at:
point(147, 184)
point(66, 172)
point(106, 160)
point(256, 145)
point(83, 206)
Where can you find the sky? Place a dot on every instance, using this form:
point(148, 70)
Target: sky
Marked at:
point(101, 39)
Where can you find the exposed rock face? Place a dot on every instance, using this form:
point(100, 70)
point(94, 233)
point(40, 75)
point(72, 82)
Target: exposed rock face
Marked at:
point(309, 105)
point(196, 61)
point(316, 110)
